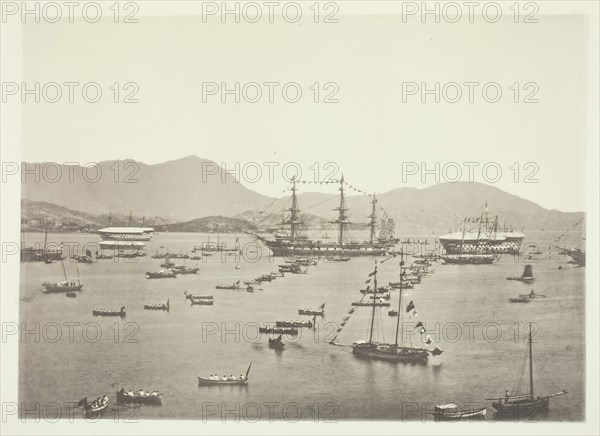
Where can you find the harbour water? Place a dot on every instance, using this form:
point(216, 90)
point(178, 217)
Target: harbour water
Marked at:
point(464, 307)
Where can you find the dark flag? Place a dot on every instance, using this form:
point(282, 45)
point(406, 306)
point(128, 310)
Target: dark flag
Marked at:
point(410, 306)
point(372, 274)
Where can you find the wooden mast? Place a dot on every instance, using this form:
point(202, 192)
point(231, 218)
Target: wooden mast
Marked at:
point(399, 302)
point(530, 364)
point(374, 305)
point(64, 270)
point(293, 221)
point(342, 219)
point(373, 221)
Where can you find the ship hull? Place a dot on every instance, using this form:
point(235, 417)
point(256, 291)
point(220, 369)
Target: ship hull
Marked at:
point(316, 251)
point(392, 354)
point(524, 409)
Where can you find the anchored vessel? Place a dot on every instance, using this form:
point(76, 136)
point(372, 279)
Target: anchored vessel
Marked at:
point(67, 285)
point(397, 351)
point(526, 405)
point(487, 237)
point(527, 275)
point(292, 244)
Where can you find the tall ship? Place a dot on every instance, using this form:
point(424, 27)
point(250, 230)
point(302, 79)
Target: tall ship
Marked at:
point(398, 351)
point(484, 237)
point(294, 243)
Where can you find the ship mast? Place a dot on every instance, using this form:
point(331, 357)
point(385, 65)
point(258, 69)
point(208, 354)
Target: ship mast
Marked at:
point(342, 219)
point(530, 364)
point(374, 304)
point(373, 221)
point(294, 219)
point(399, 301)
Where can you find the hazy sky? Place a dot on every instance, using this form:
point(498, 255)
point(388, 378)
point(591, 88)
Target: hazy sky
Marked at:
point(368, 134)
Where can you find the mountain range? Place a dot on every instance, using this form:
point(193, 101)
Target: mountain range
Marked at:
point(180, 191)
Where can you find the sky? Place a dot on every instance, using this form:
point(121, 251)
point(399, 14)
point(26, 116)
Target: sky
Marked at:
point(380, 137)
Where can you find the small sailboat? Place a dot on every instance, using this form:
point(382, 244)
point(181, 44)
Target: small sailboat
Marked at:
point(64, 286)
point(276, 343)
point(526, 298)
point(527, 275)
point(316, 312)
point(523, 405)
point(158, 306)
point(237, 266)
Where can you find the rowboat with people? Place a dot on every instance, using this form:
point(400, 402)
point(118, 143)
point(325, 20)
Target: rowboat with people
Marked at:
point(94, 407)
point(197, 296)
point(109, 312)
point(158, 306)
point(215, 380)
point(141, 397)
point(233, 286)
point(297, 324)
point(290, 331)
point(318, 312)
point(201, 302)
point(373, 302)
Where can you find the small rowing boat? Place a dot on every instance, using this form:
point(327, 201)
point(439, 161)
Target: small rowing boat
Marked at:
point(297, 324)
point(164, 306)
point(202, 302)
point(197, 296)
point(372, 303)
point(451, 412)
point(318, 312)
point(215, 380)
point(109, 312)
point(140, 397)
point(233, 286)
point(291, 331)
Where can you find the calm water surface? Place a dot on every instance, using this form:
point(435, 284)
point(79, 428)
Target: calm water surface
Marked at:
point(465, 307)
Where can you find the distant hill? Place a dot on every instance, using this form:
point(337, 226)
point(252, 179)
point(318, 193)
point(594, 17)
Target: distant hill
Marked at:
point(211, 224)
point(179, 191)
point(34, 213)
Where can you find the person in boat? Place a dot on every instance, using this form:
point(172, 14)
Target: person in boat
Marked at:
point(224, 378)
point(241, 377)
point(231, 377)
point(141, 393)
point(130, 393)
point(154, 393)
point(531, 294)
point(122, 391)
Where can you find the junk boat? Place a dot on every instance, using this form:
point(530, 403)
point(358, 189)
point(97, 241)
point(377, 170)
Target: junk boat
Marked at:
point(181, 269)
point(162, 274)
point(527, 275)
point(374, 302)
point(526, 298)
point(164, 306)
point(276, 343)
point(217, 381)
point(525, 406)
point(64, 286)
point(109, 312)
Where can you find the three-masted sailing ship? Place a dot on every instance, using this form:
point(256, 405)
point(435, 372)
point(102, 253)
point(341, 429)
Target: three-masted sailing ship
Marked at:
point(398, 351)
point(293, 243)
point(523, 405)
